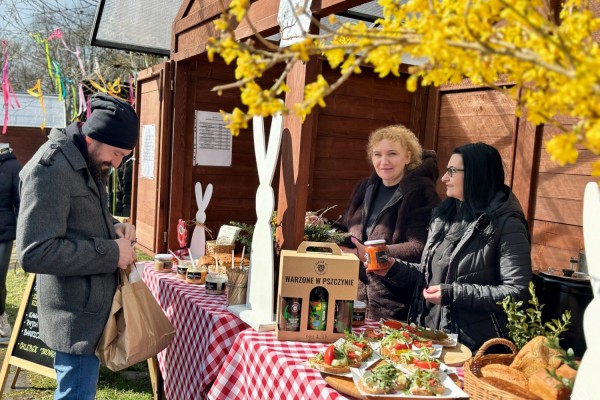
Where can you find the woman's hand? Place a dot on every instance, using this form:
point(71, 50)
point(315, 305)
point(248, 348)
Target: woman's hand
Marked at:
point(433, 294)
point(360, 249)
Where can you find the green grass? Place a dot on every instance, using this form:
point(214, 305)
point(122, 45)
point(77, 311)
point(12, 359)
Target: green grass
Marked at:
point(129, 384)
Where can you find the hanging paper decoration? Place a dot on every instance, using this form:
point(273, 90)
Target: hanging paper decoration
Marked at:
point(57, 34)
point(7, 88)
point(131, 91)
point(36, 91)
point(44, 43)
point(65, 87)
point(75, 112)
point(59, 81)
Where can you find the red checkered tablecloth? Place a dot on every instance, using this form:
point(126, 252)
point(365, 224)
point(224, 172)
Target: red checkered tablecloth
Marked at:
point(205, 333)
point(259, 366)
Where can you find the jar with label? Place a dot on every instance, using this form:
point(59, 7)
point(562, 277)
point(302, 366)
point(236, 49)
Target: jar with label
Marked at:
point(196, 274)
point(359, 313)
point(163, 262)
point(317, 309)
point(343, 316)
point(215, 283)
point(376, 255)
point(182, 268)
point(290, 312)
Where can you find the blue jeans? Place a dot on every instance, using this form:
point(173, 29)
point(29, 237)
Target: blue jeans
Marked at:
point(76, 376)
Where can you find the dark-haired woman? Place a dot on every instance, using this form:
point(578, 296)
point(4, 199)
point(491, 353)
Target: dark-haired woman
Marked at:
point(477, 252)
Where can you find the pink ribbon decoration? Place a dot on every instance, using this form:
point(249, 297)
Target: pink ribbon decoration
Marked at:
point(82, 102)
point(57, 34)
point(7, 88)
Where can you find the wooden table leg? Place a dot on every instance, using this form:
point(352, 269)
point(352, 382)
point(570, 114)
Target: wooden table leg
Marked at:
point(156, 379)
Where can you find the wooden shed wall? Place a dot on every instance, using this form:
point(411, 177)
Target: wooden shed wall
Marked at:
point(475, 116)
point(24, 141)
point(234, 187)
point(557, 222)
point(550, 195)
point(363, 104)
point(556, 204)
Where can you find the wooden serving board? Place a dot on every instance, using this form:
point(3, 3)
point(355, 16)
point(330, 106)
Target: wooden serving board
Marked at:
point(451, 356)
point(455, 356)
point(343, 385)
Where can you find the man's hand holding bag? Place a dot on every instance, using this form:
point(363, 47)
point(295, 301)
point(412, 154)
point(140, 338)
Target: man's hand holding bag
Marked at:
point(137, 328)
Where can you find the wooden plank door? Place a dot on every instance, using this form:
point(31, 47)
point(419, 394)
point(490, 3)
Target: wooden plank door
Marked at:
point(153, 158)
point(468, 116)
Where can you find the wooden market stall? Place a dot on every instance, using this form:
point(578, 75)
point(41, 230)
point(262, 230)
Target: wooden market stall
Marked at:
point(323, 158)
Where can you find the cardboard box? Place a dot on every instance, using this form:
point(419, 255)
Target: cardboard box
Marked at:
point(300, 272)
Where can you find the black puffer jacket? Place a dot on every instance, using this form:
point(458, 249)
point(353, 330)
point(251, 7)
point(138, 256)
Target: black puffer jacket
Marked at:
point(403, 224)
point(491, 261)
point(9, 194)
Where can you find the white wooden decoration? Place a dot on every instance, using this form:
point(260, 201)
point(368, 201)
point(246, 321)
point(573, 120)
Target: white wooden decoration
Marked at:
point(258, 312)
point(586, 385)
point(198, 242)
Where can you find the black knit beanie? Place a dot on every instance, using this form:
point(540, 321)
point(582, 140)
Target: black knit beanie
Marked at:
point(113, 122)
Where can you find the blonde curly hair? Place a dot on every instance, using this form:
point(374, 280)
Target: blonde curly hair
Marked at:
point(399, 134)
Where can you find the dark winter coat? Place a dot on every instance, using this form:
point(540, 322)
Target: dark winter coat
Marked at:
point(403, 224)
point(492, 260)
point(65, 234)
point(9, 195)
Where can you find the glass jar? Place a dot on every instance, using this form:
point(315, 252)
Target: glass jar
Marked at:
point(196, 274)
point(182, 268)
point(215, 283)
point(163, 262)
point(376, 256)
point(359, 313)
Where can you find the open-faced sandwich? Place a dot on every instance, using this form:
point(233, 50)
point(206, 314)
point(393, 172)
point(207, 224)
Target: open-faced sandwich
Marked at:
point(433, 335)
point(426, 383)
point(394, 345)
point(332, 361)
point(383, 380)
point(413, 361)
point(357, 348)
point(373, 335)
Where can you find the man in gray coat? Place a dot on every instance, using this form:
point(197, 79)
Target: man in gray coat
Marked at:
point(66, 235)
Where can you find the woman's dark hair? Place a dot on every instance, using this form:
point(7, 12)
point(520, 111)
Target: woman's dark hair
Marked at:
point(483, 178)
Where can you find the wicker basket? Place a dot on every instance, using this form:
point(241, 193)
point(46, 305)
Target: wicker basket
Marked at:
point(474, 386)
point(213, 248)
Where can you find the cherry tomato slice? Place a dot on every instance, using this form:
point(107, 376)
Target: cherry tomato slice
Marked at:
point(329, 355)
point(401, 346)
point(426, 364)
point(391, 323)
point(423, 343)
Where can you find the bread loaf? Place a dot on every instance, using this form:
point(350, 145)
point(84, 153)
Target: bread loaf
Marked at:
point(510, 388)
point(535, 355)
point(547, 387)
point(506, 373)
point(206, 260)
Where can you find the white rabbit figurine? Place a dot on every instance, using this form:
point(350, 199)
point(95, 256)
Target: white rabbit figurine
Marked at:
point(258, 311)
point(586, 386)
point(198, 242)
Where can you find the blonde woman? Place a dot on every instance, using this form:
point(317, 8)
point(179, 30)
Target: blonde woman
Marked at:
point(394, 204)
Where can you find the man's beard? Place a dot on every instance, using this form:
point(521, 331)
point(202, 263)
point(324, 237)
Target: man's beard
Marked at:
point(98, 173)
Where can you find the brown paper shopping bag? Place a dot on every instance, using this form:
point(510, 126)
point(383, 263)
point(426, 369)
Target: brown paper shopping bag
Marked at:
point(137, 328)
